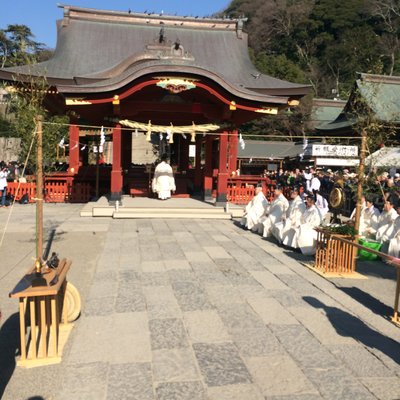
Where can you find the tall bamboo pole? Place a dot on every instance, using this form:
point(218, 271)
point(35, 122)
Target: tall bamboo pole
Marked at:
point(39, 189)
point(361, 170)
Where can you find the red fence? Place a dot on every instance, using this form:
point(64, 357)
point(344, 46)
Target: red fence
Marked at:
point(54, 191)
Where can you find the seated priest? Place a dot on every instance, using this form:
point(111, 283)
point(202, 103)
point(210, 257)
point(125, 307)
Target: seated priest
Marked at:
point(276, 211)
point(369, 218)
point(292, 217)
point(394, 242)
point(386, 222)
point(255, 210)
point(304, 236)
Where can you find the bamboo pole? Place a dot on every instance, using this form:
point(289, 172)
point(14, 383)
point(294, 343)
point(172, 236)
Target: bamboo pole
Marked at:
point(361, 170)
point(39, 189)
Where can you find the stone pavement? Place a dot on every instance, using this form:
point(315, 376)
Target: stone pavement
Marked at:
point(195, 310)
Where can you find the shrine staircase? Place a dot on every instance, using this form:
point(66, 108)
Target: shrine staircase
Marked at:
point(150, 208)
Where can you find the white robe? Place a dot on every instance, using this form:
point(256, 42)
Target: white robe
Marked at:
point(163, 181)
point(275, 213)
point(322, 205)
point(255, 209)
point(394, 243)
point(386, 225)
point(293, 217)
point(369, 218)
point(304, 236)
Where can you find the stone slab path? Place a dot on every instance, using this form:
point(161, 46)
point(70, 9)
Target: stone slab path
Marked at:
point(194, 310)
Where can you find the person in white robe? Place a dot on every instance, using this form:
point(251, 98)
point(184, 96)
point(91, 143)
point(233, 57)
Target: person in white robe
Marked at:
point(321, 203)
point(255, 209)
point(369, 219)
point(276, 211)
point(304, 236)
point(386, 222)
point(363, 205)
point(292, 218)
point(394, 242)
point(163, 182)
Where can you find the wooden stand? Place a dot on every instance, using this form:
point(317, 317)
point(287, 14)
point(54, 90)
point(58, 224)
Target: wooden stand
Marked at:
point(334, 256)
point(43, 318)
point(395, 317)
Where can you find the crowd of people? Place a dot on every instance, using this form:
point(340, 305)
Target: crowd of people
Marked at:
point(292, 221)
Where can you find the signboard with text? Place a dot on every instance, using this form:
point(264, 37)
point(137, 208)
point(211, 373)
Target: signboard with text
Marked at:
point(326, 150)
point(343, 162)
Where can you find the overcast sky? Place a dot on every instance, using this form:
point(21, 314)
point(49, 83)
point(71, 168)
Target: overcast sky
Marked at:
point(41, 15)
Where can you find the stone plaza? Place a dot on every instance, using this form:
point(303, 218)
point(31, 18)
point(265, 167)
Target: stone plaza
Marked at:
point(196, 310)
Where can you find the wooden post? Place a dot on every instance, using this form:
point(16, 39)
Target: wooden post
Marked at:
point(360, 179)
point(222, 186)
point(233, 151)
point(116, 172)
point(208, 167)
point(73, 149)
point(39, 188)
point(197, 171)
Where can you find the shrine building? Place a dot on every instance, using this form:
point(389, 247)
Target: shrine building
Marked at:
point(157, 83)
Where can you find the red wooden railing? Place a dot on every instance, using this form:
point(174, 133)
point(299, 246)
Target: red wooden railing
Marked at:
point(54, 191)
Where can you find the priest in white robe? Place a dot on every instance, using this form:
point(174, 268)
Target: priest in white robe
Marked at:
point(304, 236)
point(276, 211)
point(292, 218)
point(163, 182)
point(369, 219)
point(321, 203)
point(386, 222)
point(394, 242)
point(255, 210)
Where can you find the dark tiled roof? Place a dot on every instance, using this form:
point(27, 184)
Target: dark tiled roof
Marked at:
point(102, 50)
point(258, 149)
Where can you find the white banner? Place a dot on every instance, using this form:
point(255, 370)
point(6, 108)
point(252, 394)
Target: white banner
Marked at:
point(334, 151)
point(344, 162)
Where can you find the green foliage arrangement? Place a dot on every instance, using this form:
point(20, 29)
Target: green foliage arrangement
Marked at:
point(344, 229)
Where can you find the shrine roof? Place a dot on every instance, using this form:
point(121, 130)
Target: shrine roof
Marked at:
point(99, 51)
point(377, 94)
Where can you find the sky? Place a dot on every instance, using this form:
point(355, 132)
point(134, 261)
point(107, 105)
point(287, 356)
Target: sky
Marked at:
point(41, 15)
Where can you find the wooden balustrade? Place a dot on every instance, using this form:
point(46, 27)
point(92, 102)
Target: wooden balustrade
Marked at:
point(334, 255)
point(59, 191)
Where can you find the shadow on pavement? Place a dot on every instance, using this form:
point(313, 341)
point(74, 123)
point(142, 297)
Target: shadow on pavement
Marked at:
point(368, 301)
point(346, 324)
point(9, 344)
point(377, 269)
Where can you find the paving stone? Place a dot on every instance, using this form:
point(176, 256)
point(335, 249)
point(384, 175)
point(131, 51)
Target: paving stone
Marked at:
point(213, 278)
point(304, 348)
point(177, 264)
point(130, 381)
point(182, 276)
point(191, 296)
point(223, 294)
point(167, 334)
point(235, 392)
point(239, 317)
point(338, 384)
point(361, 361)
point(102, 289)
point(99, 306)
point(216, 252)
point(287, 298)
point(197, 256)
point(134, 303)
point(174, 365)
point(84, 381)
point(256, 342)
point(279, 375)
point(221, 364)
point(271, 311)
point(383, 388)
point(161, 302)
point(128, 277)
point(171, 251)
point(154, 278)
point(181, 391)
point(268, 280)
point(152, 266)
point(205, 327)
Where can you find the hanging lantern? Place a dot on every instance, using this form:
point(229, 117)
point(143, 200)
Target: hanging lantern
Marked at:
point(232, 105)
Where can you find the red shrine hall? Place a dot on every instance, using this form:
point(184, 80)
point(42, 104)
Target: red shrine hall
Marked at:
point(157, 84)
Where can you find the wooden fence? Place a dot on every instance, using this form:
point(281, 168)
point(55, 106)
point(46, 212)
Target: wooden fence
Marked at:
point(54, 191)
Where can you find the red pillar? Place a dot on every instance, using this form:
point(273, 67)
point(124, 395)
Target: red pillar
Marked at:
point(208, 168)
point(197, 171)
point(116, 172)
point(233, 151)
point(222, 182)
point(73, 149)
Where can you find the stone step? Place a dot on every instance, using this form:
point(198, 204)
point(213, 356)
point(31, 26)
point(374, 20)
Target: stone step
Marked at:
point(208, 210)
point(174, 215)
